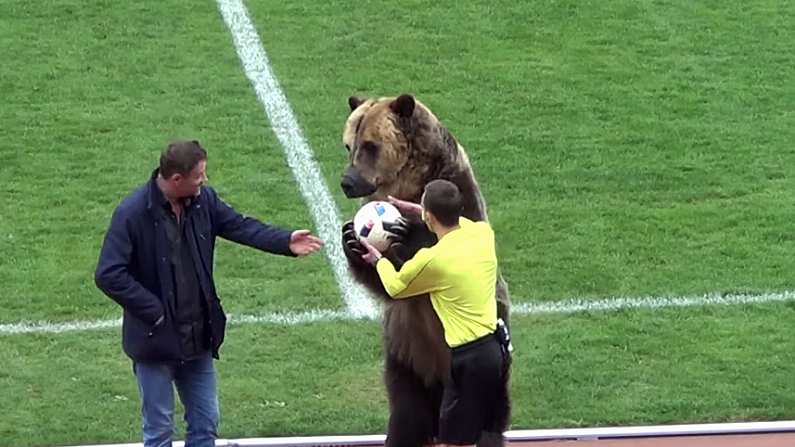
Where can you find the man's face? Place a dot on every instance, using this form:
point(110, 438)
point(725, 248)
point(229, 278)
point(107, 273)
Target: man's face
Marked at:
point(424, 214)
point(190, 185)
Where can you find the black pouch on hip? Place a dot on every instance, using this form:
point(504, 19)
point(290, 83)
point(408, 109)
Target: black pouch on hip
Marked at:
point(504, 337)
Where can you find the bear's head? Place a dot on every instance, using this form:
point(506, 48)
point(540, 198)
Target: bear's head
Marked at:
point(395, 146)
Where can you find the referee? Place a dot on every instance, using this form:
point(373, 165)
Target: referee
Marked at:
point(459, 272)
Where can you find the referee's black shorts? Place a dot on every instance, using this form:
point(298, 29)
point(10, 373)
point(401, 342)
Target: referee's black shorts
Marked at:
point(473, 396)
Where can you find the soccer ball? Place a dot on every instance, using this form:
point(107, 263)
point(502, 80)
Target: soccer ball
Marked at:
point(369, 223)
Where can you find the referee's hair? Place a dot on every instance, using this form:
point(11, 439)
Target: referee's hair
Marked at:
point(443, 199)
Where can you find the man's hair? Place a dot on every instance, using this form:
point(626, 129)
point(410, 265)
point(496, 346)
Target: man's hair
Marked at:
point(443, 199)
point(180, 157)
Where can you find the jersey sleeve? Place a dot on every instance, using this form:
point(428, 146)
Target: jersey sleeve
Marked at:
point(416, 277)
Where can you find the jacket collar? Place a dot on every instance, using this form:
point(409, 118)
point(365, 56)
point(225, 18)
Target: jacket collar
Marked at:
point(154, 197)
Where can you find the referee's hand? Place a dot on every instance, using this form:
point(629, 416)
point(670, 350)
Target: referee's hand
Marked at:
point(405, 207)
point(373, 255)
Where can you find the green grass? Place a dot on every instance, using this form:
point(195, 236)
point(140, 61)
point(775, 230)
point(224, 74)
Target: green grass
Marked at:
point(624, 148)
point(99, 97)
point(627, 148)
point(628, 368)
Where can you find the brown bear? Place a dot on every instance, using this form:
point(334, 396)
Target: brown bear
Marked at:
point(395, 147)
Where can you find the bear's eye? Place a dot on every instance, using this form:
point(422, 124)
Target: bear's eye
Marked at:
point(347, 147)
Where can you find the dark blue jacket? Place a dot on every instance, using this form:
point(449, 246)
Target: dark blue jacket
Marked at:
point(134, 266)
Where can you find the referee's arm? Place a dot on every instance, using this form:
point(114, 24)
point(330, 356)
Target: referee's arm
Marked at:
point(415, 277)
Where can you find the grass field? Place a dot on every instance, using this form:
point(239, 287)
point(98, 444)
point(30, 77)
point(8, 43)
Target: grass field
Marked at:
point(633, 148)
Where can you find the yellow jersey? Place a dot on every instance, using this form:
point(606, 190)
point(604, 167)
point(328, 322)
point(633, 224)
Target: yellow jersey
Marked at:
point(459, 273)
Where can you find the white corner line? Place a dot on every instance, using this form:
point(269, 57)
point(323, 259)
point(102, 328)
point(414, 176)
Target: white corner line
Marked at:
point(299, 155)
point(649, 302)
point(526, 308)
point(275, 318)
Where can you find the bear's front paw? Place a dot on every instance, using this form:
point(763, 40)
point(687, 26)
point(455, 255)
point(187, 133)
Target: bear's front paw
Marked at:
point(397, 230)
point(350, 243)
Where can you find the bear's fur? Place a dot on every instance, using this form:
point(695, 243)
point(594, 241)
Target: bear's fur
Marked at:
point(396, 146)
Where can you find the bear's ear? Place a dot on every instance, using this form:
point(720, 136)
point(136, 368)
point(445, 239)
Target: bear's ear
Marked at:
point(403, 105)
point(355, 102)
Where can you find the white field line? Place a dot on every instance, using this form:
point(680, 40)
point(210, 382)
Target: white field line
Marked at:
point(278, 318)
point(614, 304)
point(538, 308)
point(299, 155)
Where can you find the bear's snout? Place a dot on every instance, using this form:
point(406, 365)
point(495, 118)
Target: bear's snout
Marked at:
point(347, 186)
point(354, 185)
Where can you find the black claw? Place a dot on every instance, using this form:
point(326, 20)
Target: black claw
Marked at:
point(397, 230)
point(354, 247)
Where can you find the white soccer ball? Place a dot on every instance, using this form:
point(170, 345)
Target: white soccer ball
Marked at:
point(369, 223)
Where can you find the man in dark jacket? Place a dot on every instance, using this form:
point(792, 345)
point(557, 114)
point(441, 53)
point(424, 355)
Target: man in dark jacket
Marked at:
point(157, 263)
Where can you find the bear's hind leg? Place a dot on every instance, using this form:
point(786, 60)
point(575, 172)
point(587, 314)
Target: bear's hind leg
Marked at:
point(413, 407)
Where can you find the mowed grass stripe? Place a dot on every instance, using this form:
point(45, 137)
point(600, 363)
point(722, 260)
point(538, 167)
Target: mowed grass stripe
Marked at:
point(624, 148)
point(299, 155)
point(88, 105)
point(639, 367)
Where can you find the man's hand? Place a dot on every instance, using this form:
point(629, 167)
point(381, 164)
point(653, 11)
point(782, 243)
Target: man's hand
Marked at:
point(373, 255)
point(405, 207)
point(303, 243)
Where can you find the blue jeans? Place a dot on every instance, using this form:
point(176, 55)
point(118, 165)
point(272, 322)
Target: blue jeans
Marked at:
point(195, 382)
